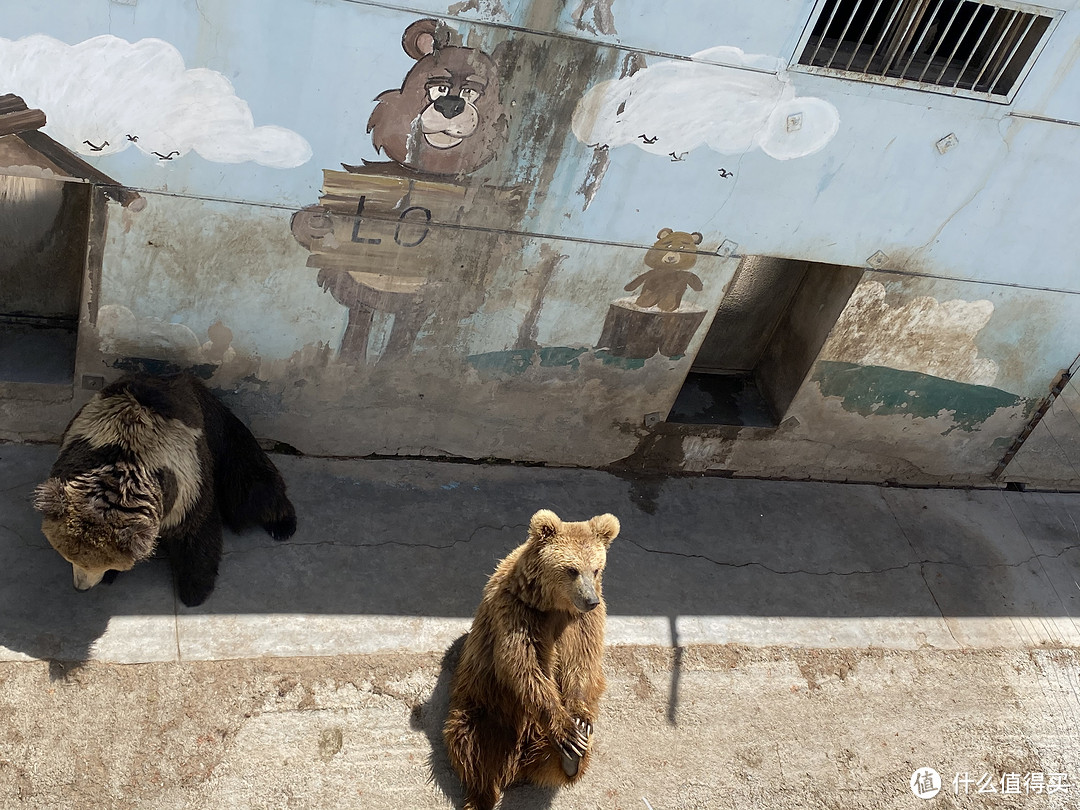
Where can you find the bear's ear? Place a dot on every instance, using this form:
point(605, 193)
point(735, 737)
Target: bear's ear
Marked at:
point(49, 498)
point(664, 233)
point(418, 40)
point(697, 237)
point(606, 527)
point(139, 539)
point(544, 525)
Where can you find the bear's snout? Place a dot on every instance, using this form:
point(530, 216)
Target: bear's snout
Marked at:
point(585, 596)
point(449, 106)
point(671, 257)
point(83, 579)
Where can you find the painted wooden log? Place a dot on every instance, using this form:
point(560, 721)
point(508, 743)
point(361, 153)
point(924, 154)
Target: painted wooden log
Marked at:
point(640, 333)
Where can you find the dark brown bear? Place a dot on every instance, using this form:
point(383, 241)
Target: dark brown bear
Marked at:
point(526, 692)
point(670, 260)
point(158, 460)
point(446, 119)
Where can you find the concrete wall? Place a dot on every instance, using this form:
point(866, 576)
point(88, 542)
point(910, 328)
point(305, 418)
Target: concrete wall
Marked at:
point(471, 300)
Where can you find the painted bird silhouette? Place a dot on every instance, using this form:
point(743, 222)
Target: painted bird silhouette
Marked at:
point(169, 156)
point(96, 148)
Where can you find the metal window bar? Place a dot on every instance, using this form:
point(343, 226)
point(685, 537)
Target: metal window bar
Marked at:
point(881, 38)
point(922, 37)
point(825, 30)
point(862, 36)
point(997, 47)
point(1006, 38)
point(975, 47)
point(914, 14)
point(956, 47)
point(840, 39)
point(1008, 59)
point(941, 40)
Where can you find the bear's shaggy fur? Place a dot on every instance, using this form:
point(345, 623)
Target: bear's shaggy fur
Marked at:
point(446, 119)
point(527, 689)
point(670, 257)
point(152, 459)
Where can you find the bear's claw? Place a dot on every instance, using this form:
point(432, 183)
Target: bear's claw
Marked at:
point(574, 749)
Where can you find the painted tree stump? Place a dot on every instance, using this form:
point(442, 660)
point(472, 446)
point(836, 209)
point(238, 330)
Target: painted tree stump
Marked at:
point(630, 331)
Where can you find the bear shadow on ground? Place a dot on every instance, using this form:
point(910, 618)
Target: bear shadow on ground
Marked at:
point(429, 717)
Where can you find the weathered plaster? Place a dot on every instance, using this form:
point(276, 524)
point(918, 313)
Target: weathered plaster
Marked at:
point(937, 338)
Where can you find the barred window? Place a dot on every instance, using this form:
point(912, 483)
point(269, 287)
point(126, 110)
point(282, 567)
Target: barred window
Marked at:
point(960, 47)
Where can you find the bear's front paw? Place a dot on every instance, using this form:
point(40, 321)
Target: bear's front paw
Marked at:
point(281, 529)
point(193, 593)
point(574, 747)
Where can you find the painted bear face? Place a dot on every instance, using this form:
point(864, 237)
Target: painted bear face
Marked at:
point(446, 118)
point(572, 557)
point(673, 250)
point(97, 526)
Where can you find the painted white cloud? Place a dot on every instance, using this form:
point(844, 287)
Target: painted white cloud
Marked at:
point(926, 335)
point(684, 105)
point(106, 89)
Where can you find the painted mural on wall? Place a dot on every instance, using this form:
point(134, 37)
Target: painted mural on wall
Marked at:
point(721, 98)
point(446, 118)
point(657, 320)
point(106, 95)
point(372, 234)
point(913, 356)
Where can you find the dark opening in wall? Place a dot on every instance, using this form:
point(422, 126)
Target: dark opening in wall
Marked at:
point(44, 226)
point(766, 335)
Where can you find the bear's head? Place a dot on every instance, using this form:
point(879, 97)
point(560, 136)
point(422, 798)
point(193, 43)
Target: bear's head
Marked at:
point(100, 521)
point(446, 118)
point(673, 250)
point(568, 560)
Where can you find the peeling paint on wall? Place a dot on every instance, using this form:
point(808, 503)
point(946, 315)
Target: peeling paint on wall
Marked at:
point(595, 16)
point(872, 390)
point(675, 107)
point(936, 338)
point(105, 94)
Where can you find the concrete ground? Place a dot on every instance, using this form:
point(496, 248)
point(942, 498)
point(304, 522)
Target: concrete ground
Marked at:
point(771, 644)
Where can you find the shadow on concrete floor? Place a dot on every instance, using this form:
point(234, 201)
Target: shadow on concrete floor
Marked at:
point(419, 539)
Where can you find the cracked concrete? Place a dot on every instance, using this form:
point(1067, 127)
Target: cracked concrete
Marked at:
point(771, 644)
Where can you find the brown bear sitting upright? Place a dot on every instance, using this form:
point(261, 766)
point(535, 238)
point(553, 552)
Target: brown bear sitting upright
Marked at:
point(446, 119)
point(670, 260)
point(527, 689)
